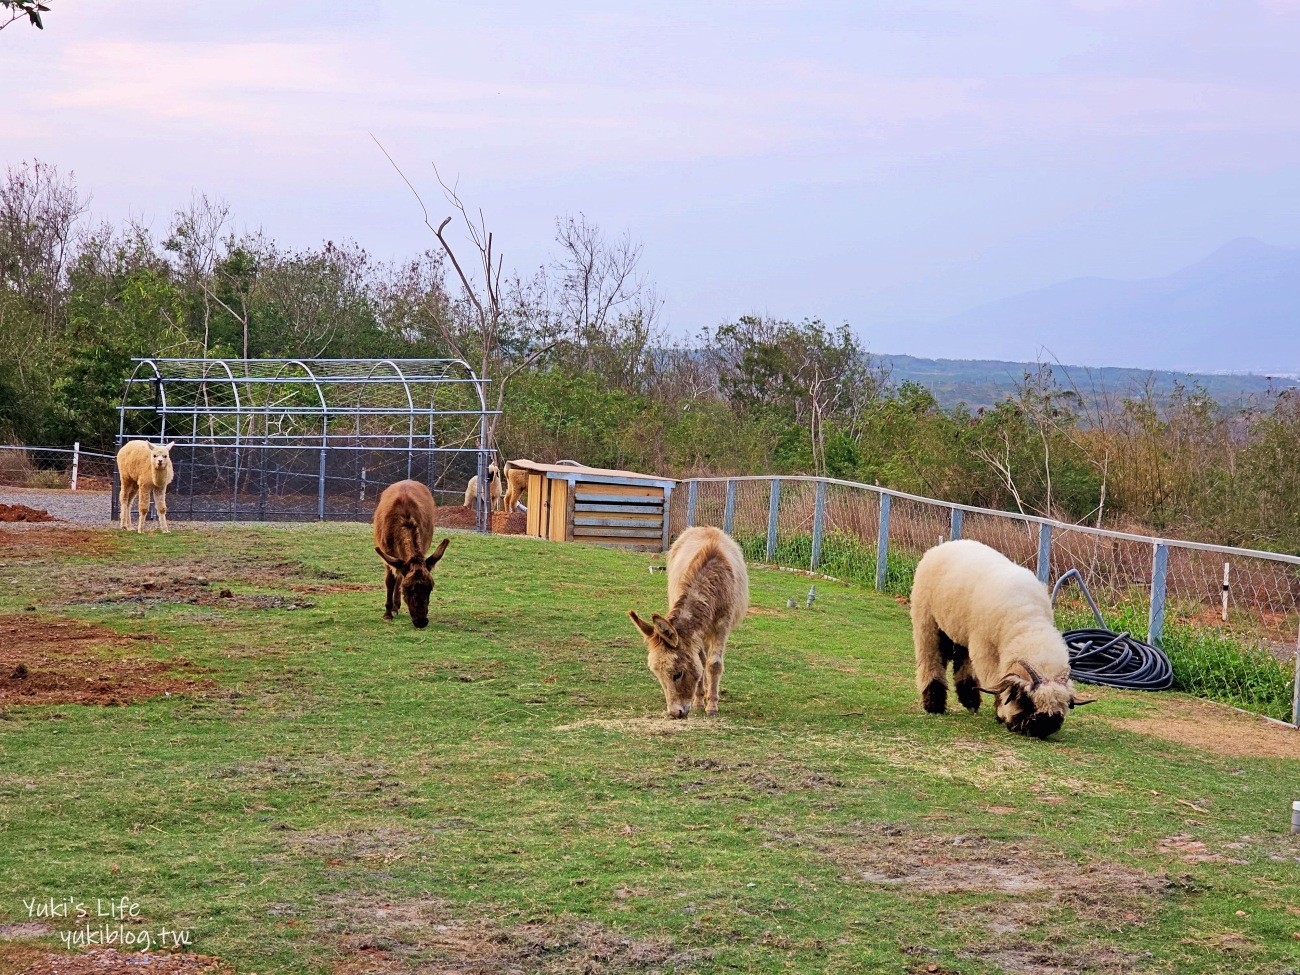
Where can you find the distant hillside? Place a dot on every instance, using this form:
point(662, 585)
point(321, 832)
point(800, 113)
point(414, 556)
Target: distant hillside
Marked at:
point(1238, 309)
point(984, 382)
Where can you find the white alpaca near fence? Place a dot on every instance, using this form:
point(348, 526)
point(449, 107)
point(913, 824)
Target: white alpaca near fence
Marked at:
point(144, 467)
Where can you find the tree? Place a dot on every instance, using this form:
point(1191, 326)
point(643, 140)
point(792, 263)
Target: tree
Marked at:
point(18, 9)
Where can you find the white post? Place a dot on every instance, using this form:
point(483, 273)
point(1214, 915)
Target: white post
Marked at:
point(76, 460)
point(1227, 570)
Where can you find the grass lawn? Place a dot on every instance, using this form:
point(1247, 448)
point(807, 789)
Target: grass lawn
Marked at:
point(501, 793)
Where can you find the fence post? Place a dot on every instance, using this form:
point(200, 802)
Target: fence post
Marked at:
point(690, 504)
point(76, 460)
point(1044, 552)
point(882, 544)
point(320, 489)
point(954, 532)
point(773, 506)
point(1295, 693)
point(1159, 572)
point(729, 513)
point(819, 509)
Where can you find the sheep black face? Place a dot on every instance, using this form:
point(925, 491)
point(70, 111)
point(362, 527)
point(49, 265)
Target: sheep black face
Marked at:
point(1029, 705)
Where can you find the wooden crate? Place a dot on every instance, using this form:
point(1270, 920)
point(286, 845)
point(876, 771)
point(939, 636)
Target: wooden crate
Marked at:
point(599, 506)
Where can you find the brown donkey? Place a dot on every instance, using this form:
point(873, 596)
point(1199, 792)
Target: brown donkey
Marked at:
point(708, 594)
point(404, 523)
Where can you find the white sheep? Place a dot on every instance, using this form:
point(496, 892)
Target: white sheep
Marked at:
point(992, 620)
point(142, 467)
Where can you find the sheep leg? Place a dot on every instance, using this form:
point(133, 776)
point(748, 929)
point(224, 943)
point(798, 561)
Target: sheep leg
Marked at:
point(392, 593)
point(963, 676)
point(931, 669)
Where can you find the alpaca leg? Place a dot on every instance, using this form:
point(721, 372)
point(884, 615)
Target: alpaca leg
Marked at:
point(124, 499)
point(160, 500)
point(931, 676)
point(144, 508)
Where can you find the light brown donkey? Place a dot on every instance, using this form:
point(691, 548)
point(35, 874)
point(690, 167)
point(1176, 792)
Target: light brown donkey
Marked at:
point(708, 594)
point(404, 521)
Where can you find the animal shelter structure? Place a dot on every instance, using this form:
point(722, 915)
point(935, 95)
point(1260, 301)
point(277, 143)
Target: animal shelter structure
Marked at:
point(567, 503)
point(308, 439)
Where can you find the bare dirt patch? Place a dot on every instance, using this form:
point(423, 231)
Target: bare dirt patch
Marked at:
point(38, 543)
point(513, 523)
point(20, 512)
point(190, 583)
point(426, 935)
point(1219, 730)
point(898, 855)
point(46, 660)
point(30, 960)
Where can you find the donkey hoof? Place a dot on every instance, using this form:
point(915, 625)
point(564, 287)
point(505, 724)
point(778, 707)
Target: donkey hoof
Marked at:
point(388, 616)
point(711, 713)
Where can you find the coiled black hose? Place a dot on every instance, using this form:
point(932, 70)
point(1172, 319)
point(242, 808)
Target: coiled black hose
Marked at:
point(1102, 656)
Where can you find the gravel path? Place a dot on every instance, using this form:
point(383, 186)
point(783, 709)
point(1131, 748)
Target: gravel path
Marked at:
point(80, 507)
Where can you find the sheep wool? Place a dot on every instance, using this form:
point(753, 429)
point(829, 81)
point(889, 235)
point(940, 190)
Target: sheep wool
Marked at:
point(992, 620)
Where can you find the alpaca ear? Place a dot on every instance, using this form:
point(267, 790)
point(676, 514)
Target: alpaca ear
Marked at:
point(667, 632)
point(169, 447)
point(641, 624)
point(398, 564)
point(432, 560)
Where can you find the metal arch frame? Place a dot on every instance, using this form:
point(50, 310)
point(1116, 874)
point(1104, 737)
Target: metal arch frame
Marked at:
point(202, 375)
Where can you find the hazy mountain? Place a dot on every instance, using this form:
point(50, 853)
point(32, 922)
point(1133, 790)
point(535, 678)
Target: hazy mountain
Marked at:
point(1237, 310)
point(983, 382)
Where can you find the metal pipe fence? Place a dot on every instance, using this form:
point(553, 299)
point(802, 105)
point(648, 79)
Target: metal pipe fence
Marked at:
point(1229, 618)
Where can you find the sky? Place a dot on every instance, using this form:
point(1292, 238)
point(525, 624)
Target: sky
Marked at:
point(875, 163)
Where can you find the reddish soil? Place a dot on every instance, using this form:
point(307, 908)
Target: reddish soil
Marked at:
point(20, 512)
point(502, 524)
point(1216, 729)
point(23, 544)
point(55, 660)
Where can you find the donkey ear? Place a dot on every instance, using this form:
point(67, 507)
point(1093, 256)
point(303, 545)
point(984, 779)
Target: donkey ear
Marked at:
point(641, 624)
point(667, 632)
point(398, 564)
point(437, 552)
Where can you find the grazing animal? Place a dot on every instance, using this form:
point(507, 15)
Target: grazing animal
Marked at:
point(494, 489)
point(143, 467)
point(404, 521)
point(516, 479)
point(992, 620)
point(708, 594)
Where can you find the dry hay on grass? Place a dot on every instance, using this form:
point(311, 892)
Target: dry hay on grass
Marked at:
point(20, 512)
point(55, 660)
point(426, 936)
point(1217, 729)
point(32, 959)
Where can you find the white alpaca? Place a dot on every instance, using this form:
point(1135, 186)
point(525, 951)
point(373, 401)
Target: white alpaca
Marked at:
point(992, 620)
point(143, 467)
point(494, 489)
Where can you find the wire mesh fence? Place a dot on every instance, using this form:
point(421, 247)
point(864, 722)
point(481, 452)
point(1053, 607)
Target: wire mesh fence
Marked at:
point(55, 467)
point(1228, 618)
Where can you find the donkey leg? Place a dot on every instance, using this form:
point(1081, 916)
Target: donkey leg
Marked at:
point(713, 675)
point(390, 589)
point(931, 669)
